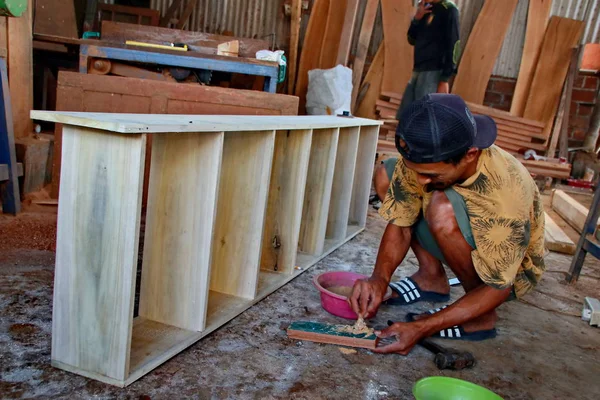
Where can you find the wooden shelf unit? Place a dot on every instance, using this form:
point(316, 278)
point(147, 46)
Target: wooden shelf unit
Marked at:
point(237, 207)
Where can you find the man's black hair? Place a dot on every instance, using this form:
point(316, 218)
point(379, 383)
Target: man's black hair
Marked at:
point(456, 159)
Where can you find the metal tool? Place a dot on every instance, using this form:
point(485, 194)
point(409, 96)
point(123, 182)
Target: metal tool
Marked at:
point(446, 358)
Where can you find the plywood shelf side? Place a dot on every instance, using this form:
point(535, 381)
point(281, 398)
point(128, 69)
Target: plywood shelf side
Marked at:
point(317, 195)
point(184, 181)
point(242, 203)
point(363, 175)
point(285, 201)
point(343, 179)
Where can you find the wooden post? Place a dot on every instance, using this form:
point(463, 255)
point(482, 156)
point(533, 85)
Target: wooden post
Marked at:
point(294, 39)
point(347, 32)
point(20, 70)
point(364, 39)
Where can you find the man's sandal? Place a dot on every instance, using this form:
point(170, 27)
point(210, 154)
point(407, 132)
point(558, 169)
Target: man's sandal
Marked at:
point(457, 332)
point(409, 292)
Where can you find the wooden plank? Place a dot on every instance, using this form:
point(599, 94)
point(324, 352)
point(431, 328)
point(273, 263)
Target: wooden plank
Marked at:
point(118, 33)
point(363, 175)
point(333, 33)
point(185, 15)
point(238, 232)
point(517, 140)
point(399, 54)
point(94, 93)
point(20, 70)
point(318, 190)
point(168, 16)
point(569, 209)
point(343, 178)
point(362, 49)
point(371, 86)
point(482, 49)
point(136, 123)
point(347, 32)
point(506, 117)
point(139, 15)
point(97, 250)
point(55, 17)
point(311, 48)
point(563, 143)
point(340, 335)
point(537, 20)
point(564, 106)
point(294, 40)
point(556, 239)
point(176, 268)
point(561, 36)
point(286, 198)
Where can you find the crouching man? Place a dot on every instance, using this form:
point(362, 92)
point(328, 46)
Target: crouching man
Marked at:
point(455, 199)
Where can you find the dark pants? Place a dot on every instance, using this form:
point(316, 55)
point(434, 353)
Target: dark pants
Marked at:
point(420, 85)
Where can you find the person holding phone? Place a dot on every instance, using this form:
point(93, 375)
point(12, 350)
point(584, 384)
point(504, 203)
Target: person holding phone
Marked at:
point(434, 33)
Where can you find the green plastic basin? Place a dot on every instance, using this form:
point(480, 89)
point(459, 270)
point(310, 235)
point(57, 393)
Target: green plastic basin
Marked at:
point(12, 8)
point(443, 388)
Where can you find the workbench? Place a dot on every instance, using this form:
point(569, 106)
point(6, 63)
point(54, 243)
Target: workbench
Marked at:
point(184, 59)
point(237, 207)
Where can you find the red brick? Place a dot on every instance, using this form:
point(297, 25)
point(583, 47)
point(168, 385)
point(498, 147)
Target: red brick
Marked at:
point(492, 98)
point(577, 134)
point(505, 87)
point(579, 82)
point(591, 82)
point(585, 110)
point(584, 96)
point(580, 122)
point(490, 85)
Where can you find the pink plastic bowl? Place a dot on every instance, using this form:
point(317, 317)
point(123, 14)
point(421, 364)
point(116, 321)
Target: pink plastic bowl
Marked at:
point(334, 303)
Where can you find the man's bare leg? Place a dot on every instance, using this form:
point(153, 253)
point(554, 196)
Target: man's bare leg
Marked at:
point(457, 253)
point(381, 181)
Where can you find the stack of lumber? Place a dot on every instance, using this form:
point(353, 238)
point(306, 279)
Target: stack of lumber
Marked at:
point(550, 167)
point(514, 133)
point(386, 108)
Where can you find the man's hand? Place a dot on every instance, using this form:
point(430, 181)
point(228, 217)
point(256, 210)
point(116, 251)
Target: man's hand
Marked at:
point(443, 87)
point(367, 295)
point(407, 335)
point(422, 10)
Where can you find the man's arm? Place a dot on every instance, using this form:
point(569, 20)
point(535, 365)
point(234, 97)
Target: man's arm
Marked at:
point(414, 28)
point(451, 45)
point(368, 294)
point(476, 303)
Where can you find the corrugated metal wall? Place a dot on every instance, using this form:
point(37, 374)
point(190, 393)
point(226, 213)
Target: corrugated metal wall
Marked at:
point(265, 19)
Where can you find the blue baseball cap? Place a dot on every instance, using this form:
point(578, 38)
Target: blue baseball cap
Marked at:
point(441, 126)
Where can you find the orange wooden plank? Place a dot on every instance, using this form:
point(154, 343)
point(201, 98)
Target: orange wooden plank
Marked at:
point(311, 48)
point(333, 33)
point(537, 20)
point(366, 107)
point(398, 64)
point(364, 39)
point(483, 47)
point(561, 36)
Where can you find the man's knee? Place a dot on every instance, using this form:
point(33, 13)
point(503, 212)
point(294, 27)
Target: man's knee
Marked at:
point(440, 215)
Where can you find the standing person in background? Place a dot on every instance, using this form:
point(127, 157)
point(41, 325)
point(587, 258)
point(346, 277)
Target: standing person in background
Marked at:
point(434, 33)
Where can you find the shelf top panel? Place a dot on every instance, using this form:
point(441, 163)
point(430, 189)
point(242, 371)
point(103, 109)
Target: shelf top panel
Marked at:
point(161, 123)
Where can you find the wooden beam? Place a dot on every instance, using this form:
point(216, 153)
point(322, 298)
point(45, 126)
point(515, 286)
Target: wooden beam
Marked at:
point(294, 40)
point(364, 39)
point(482, 49)
point(20, 71)
point(340, 335)
point(569, 209)
point(556, 239)
point(347, 32)
point(563, 144)
point(333, 34)
point(537, 20)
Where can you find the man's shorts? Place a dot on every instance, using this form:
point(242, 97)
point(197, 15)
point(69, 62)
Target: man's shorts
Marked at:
point(421, 229)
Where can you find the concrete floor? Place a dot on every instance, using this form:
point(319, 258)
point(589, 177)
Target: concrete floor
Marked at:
point(543, 350)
